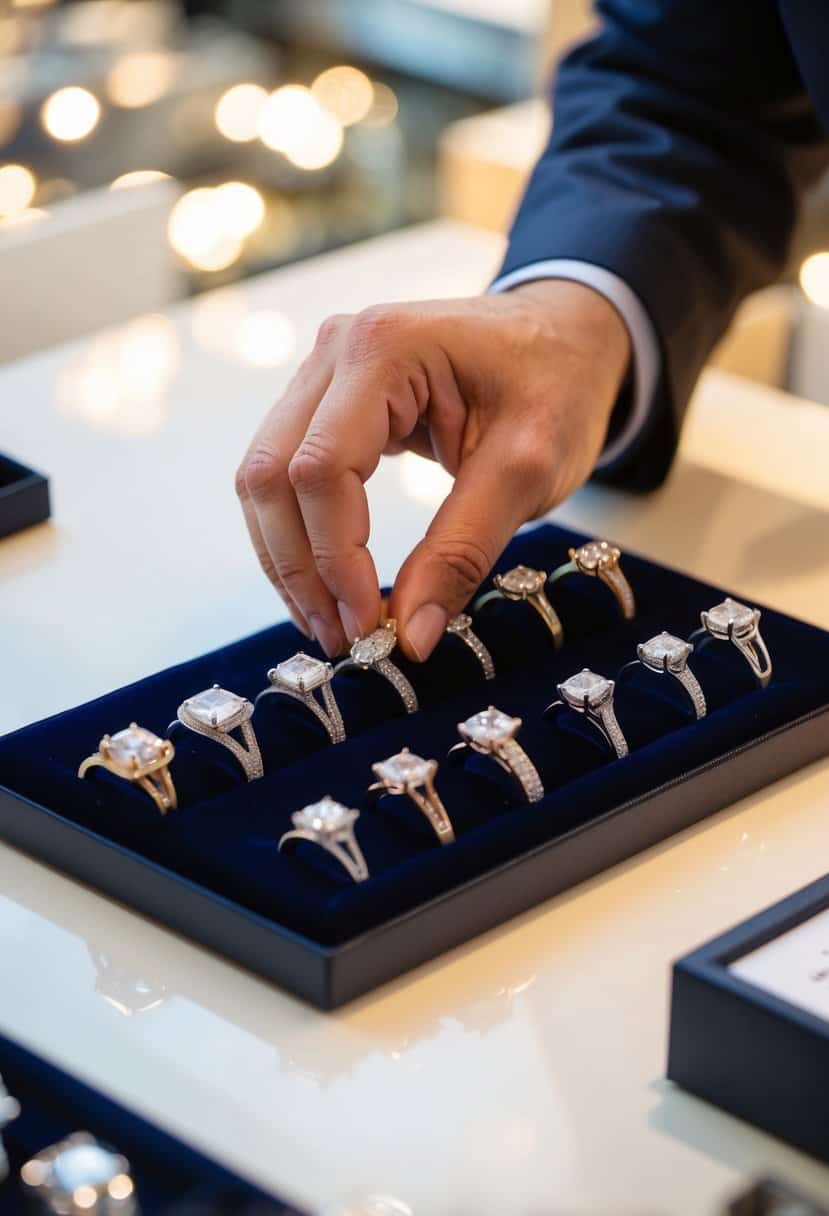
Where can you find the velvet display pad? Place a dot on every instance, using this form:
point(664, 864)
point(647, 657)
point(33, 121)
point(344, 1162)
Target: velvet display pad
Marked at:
point(24, 496)
point(169, 1176)
point(224, 836)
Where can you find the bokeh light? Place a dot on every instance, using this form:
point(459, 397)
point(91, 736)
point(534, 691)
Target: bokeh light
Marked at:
point(10, 119)
point(21, 219)
point(199, 232)
point(814, 278)
point(264, 339)
point(384, 106)
point(17, 189)
point(138, 177)
point(346, 92)
point(241, 206)
point(238, 110)
point(293, 122)
point(71, 114)
point(141, 78)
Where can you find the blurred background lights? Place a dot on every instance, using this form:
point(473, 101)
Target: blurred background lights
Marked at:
point(814, 278)
point(17, 189)
point(346, 92)
point(141, 78)
point(71, 114)
point(138, 177)
point(241, 207)
point(293, 122)
point(10, 119)
point(20, 218)
point(200, 232)
point(384, 106)
point(264, 339)
point(238, 110)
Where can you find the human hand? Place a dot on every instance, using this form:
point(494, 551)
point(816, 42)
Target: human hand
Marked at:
point(512, 393)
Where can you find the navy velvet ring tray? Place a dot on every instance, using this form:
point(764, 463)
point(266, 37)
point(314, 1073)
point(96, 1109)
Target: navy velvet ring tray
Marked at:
point(211, 870)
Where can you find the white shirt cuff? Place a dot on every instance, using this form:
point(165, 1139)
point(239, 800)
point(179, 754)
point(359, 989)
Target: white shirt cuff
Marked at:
point(645, 347)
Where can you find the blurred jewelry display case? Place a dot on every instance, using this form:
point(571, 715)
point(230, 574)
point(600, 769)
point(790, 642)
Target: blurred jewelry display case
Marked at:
point(24, 496)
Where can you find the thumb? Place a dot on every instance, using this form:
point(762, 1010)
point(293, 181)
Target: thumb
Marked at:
point(493, 495)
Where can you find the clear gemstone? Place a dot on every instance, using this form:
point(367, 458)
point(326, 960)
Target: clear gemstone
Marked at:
point(376, 645)
point(595, 553)
point(460, 623)
point(491, 726)
point(215, 706)
point(135, 743)
point(522, 580)
point(730, 612)
point(84, 1165)
point(302, 672)
point(324, 816)
point(585, 684)
point(665, 646)
point(404, 769)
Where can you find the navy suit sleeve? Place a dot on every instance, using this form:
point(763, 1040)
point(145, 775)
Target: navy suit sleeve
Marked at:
point(682, 140)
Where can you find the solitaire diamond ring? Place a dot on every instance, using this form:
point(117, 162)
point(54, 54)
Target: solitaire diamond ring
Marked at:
point(137, 755)
point(492, 733)
point(78, 1175)
point(299, 678)
point(522, 583)
point(734, 622)
point(592, 695)
point(460, 626)
point(668, 655)
point(600, 559)
point(214, 713)
point(9, 1110)
point(371, 653)
point(330, 825)
point(409, 774)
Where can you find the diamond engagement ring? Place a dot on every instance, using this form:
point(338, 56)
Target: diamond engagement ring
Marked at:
point(9, 1110)
point(78, 1175)
point(460, 626)
point(214, 713)
point(600, 559)
point(371, 653)
point(137, 755)
point(409, 774)
point(330, 825)
point(734, 622)
point(492, 733)
point(524, 583)
point(592, 695)
point(299, 677)
point(668, 655)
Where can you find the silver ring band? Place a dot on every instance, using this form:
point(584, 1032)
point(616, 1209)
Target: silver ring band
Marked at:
point(214, 713)
point(299, 678)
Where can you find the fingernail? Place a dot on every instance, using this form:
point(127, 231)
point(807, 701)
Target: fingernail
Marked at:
point(425, 628)
point(327, 634)
point(350, 623)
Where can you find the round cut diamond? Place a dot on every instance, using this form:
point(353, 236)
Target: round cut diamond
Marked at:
point(375, 646)
point(490, 726)
point(586, 684)
point(302, 672)
point(324, 816)
point(665, 647)
point(731, 612)
point(522, 580)
point(135, 743)
point(596, 553)
point(404, 769)
point(215, 706)
point(84, 1165)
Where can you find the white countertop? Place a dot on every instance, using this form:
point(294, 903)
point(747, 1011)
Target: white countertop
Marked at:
point(522, 1074)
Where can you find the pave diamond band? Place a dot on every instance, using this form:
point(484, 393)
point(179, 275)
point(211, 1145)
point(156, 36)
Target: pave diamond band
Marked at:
point(460, 626)
point(330, 825)
point(739, 624)
point(666, 654)
point(214, 713)
point(137, 755)
point(592, 695)
point(524, 584)
point(300, 677)
point(409, 774)
point(599, 559)
point(492, 733)
point(371, 653)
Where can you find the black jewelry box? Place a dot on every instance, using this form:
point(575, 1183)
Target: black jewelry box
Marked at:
point(211, 870)
point(24, 497)
point(169, 1176)
point(744, 1045)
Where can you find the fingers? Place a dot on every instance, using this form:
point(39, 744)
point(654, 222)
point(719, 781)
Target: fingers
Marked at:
point(259, 548)
point(499, 487)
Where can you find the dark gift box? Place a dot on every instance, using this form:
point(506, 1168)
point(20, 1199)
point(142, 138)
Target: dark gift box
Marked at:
point(744, 1046)
point(24, 497)
point(211, 870)
point(169, 1177)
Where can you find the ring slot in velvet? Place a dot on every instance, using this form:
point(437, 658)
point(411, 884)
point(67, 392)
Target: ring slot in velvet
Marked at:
point(225, 835)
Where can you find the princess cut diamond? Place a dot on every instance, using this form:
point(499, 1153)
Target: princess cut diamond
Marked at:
point(325, 816)
point(586, 684)
point(522, 580)
point(404, 769)
point(490, 726)
point(730, 613)
point(215, 706)
point(302, 672)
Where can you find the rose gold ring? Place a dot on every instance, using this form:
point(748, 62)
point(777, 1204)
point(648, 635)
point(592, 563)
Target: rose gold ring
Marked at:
point(523, 583)
point(600, 559)
point(139, 756)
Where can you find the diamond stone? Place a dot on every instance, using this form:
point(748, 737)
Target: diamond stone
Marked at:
point(135, 743)
point(522, 580)
point(302, 672)
point(596, 553)
point(586, 684)
point(730, 612)
point(404, 769)
point(460, 623)
point(215, 706)
point(490, 726)
point(665, 647)
point(83, 1165)
point(375, 646)
point(324, 816)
